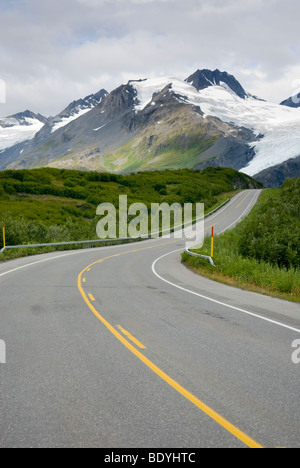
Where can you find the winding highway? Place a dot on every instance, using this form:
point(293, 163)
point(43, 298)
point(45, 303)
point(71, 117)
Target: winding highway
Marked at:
point(125, 347)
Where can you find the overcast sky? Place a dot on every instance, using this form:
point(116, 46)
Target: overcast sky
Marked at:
point(55, 51)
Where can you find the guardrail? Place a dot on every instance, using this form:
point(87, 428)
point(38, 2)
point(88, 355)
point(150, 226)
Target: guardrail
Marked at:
point(112, 241)
point(193, 254)
point(89, 243)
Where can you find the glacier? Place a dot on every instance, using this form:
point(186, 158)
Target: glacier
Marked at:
point(16, 133)
point(277, 127)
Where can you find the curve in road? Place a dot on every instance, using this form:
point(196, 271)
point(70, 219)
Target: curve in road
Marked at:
point(66, 383)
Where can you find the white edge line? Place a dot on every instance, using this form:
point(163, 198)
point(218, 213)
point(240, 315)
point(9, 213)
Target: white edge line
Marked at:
point(237, 221)
point(39, 261)
point(252, 314)
point(274, 322)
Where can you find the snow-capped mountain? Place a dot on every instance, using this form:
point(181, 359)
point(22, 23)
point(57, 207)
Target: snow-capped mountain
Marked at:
point(19, 127)
point(23, 132)
point(24, 126)
point(209, 119)
point(203, 79)
point(77, 109)
point(276, 128)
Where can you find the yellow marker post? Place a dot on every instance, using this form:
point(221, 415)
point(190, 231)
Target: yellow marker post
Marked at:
point(4, 241)
point(212, 242)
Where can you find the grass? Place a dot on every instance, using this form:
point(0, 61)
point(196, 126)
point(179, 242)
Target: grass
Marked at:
point(247, 272)
point(51, 205)
point(173, 157)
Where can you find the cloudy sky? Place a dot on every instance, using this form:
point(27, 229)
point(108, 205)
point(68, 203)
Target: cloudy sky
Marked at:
point(55, 51)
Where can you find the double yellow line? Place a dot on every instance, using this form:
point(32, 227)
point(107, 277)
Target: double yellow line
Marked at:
point(248, 441)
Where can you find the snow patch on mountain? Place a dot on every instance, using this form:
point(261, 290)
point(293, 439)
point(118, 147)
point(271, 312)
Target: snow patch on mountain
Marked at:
point(145, 90)
point(77, 109)
point(279, 125)
point(12, 132)
point(66, 120)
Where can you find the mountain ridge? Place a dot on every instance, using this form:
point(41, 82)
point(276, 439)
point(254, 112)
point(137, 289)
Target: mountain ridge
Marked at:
point(21, 117)
point(164, 122)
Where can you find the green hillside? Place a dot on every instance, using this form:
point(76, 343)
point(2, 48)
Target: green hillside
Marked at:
point(53, 205)
point(176, 142)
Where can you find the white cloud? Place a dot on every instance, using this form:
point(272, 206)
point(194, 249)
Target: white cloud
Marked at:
point(281, 88)
point(2, 92)
point(54, 51)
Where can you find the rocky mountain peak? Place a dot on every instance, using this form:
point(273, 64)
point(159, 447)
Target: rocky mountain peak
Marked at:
point(23, 119)
point(80, 104)
point(205, 78)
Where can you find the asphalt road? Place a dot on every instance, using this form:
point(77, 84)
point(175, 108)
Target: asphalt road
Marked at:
point(125, 347)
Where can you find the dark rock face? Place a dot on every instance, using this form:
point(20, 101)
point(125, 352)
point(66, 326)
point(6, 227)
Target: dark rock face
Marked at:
point(227, 152)
point(276, 175)
point(292, 101)
point(119, 101)
point(202, 79)
point(234, 147)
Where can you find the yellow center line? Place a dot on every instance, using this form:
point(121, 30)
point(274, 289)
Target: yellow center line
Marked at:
point(132, 338)
point(92, 297)
point(242, 201)
point(240, 435)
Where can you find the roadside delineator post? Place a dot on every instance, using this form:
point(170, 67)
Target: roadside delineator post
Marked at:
point(212, 242)
point(4, 240)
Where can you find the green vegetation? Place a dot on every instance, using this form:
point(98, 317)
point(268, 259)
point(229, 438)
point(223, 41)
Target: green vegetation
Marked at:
point(172, 155)
point(52, 205)
point(177, 141)
point(263, 252)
